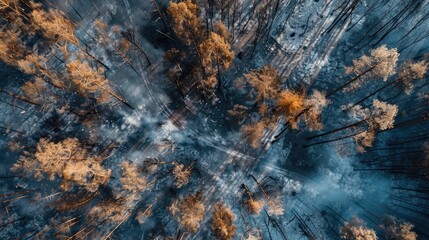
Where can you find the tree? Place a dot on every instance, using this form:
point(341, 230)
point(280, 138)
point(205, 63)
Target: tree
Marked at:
point(207, 86)
point(383, 115)
point(380, 117)
point(186, 21)
point(36, 64)
point(222, 224)
point(253, 206)
point(238, 111)
point(253, 133)
point(289, 105)
point(181, 174)
point(143, 216)
point(54, 25)
point(397, 230)
point(110, 211)
point(12, 4)
point(212, 49)
point(313, 110)
point(412, 71)
point(131, 179)
point(66, 159)
point(87, 173)
point(90, 82)
point(12, 47)
point(276, 205)
point(39, 93)
point(222, 31)
point(57, 28)
point(253, 203)
point(408, 74)
point(215, 53)
point(52, 32)
point(356, 230)
point(265, 81)
point(364, 140)
point(381, 63)
point(189, 211)
point(369, 121)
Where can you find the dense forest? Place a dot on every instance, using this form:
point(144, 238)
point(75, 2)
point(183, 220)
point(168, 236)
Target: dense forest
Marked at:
point(214, 119)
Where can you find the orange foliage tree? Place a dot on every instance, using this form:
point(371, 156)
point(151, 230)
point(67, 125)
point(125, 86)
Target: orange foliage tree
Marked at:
point(265, 82)
point(355, 229)
point(66, 159)
point(290, 104)
point(189, 211)
point(380, 117)
point(222, 223)
point(397, 230)
point(186, 21)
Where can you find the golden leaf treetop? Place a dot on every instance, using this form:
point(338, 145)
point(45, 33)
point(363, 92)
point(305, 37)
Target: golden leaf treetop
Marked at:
point(131, 179)
point(355, 230)
point(215, 50)
point(384, 114)
point(253, 133)
point(181, 174)
point(186, 20)
point(66, 159)
point(54, 25)
point(290, 104)
point(222, 223)
point(380, 117)
point(395, 229)
point(314, 105)
point(87, 80)
point(189, 211)
point(265, 81)
point(381, 63)
point(412, 71)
